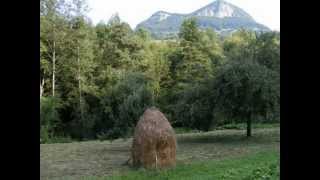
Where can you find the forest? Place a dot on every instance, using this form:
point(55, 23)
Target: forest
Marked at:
point(97, 80)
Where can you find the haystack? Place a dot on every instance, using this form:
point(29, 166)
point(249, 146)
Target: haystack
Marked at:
point(154, 142)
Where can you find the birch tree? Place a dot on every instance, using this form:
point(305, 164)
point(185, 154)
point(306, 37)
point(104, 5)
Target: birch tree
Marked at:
point(52, 26)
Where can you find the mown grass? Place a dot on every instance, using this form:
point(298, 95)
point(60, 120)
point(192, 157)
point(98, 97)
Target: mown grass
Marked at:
point(262, 165)
point(244, 126)
point(220, 154)
point(239, 126)
point(179, 130)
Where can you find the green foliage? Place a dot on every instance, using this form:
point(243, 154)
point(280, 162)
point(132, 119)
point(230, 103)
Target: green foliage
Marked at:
point(268, 50)
point(240, 45)
point(104, 76)
point(143, 34)
point(189, 31)
point(49, 111)
point(49, 117)
point(195, 64)
point(123, 106)
point(244, 88)
point(194, 109)
point(44, 134)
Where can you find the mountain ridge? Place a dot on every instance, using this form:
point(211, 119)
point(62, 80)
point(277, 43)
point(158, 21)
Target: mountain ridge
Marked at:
point(219, 15)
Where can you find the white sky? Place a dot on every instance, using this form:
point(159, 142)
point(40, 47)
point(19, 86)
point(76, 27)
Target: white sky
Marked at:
point(266, 12)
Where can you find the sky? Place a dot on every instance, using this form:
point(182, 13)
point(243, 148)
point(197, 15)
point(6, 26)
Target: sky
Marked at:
point(266, 12)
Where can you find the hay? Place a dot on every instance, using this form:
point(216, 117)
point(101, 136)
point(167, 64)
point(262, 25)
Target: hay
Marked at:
point(154, 142)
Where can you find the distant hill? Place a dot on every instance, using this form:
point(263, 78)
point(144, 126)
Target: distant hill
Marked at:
point(219, 15)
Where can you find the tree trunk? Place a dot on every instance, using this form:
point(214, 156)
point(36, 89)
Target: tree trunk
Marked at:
point(41, 87)
point(53, 67)
point(249, 126)
point(79, 82)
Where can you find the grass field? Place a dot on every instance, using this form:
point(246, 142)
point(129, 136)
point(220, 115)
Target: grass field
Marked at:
point(220, 154)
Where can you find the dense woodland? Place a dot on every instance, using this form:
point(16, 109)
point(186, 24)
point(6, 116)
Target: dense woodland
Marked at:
point(96, 80)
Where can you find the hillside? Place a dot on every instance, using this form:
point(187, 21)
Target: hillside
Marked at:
point(219, 15)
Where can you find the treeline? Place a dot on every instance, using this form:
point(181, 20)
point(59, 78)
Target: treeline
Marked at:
point(95, 81)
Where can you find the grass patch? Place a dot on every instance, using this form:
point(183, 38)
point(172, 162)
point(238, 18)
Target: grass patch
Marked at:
point(182, 130)
point(57, 139)
point(243, 126)
point(179, 130)
point(262, 165)
point(219, 154)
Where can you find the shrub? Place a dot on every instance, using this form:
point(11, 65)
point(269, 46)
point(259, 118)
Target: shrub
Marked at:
point(123, 105)
point(49, 117)
point(44, 134)
point(194, 109)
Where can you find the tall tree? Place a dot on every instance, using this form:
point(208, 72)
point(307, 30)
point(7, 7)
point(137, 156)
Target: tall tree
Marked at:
point(239, 45)
point(52, 34)
point(267, 49)
point(194, 65)
point(78, 69)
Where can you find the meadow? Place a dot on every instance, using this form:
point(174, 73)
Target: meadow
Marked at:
point(218, 154)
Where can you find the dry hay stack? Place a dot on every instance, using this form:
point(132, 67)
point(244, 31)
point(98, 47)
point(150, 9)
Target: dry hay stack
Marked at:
point(154, 142)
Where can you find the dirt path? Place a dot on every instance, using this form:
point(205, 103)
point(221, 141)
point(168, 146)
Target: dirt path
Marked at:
point(95, 158)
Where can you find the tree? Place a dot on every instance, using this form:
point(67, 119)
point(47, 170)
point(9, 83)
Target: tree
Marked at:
point(121, 48)
point(212, 46)
point(194, 65)
point(77, 68)
point(143, 34)
point(239, 45)
point(95, 81)
point(123, 104)
point(49, 117)
point(52, 34)
point(194, 109)
point(189, 31)
point(244, 89)
point(268, 50)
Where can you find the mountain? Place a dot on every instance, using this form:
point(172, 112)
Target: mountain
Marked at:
point(221, 9)
point(219, 15)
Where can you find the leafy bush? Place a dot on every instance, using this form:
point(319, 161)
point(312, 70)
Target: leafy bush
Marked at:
point(49, 117)
point(123, 106)
point(194, 109)
point(44, 134)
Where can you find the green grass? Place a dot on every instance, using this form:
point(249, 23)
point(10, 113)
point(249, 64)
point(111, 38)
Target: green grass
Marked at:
point(262, 165)
point(54, 140)
point(219, 154)
point(240, 126)
point(182, 130)
point(179, 130)
point(244, 126)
